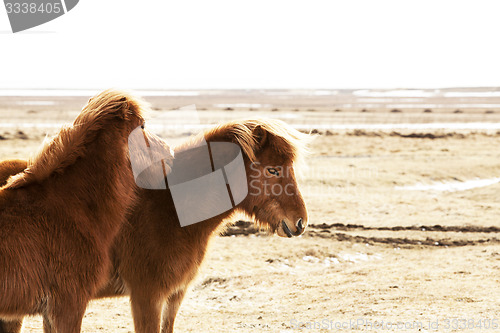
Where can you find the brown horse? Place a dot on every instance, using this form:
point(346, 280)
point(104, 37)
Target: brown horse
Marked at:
point(58, 217)
point(155, 259)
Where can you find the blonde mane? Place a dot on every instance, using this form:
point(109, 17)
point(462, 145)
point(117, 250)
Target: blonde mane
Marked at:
point(286, 141)
point(71, 142)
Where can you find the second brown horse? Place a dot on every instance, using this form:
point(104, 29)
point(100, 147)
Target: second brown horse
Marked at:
point(155, 259)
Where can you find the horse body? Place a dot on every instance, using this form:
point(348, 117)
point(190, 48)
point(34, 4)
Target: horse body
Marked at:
point(155, 259)
point(58, 218)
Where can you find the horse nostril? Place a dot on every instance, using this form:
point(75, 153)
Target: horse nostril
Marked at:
point(299, 225)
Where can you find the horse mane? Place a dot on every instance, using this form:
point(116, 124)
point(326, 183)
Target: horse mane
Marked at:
point(283, 139)
point(62, 150)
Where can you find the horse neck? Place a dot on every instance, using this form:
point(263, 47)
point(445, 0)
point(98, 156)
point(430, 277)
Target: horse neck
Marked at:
point(203, 232)
point(155, 211)
point(162, 203)
point(206, 229)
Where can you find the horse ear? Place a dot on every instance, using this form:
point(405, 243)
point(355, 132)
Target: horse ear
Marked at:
point(125, 106)
point(260, 136)
point(123, 110)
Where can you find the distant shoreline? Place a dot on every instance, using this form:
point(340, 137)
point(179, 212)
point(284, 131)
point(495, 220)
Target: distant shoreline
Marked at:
point(480, 92)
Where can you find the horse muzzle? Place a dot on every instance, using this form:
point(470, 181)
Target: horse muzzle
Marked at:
point(285, 230)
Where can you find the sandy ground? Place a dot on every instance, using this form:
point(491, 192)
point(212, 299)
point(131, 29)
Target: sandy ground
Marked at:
point(375, 252)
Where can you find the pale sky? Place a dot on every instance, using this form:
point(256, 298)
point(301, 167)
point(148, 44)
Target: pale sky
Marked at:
point(257, 44)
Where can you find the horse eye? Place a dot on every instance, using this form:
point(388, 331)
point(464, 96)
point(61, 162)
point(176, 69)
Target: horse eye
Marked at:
point(273, 171)
point(143, 124)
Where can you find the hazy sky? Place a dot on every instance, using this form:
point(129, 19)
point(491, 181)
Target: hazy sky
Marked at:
point(257, 44)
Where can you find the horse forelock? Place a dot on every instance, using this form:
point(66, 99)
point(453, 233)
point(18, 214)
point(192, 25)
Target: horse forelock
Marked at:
point(71, 142)
point(282, 139)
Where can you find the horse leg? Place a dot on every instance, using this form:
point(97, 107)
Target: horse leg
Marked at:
point(66, 317)
point(170, 311)
point(11, 326)
point(47, 326)
point(146, 310)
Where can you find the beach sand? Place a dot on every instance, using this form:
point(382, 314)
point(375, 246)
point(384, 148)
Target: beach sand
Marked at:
point(377, 249)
